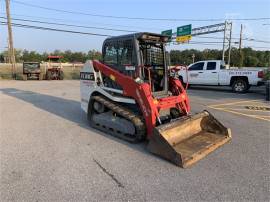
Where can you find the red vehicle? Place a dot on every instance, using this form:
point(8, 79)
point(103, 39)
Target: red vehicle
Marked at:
point(54, 67)
point(133, 95)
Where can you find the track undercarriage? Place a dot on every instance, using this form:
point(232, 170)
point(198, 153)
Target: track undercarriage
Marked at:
point(115, 119)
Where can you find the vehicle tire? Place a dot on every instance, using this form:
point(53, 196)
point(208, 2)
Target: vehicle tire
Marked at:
point(267, 90)
point(24, 77)
point(49, 75)
point(240, 86)
point(40, 76)
point(61, 75)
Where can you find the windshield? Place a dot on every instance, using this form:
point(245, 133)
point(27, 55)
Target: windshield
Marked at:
point(152, 55)
point(31, 66)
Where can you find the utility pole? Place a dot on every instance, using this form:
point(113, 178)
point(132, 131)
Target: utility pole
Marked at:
point(230, 47)
point(193, 58)
point(240, 47)
point(10, 40)
point(226, 52)
point(224, 38)
point(8, 52)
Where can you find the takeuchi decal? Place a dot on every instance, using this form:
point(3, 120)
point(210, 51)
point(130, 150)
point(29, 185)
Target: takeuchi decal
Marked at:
point(87, 76)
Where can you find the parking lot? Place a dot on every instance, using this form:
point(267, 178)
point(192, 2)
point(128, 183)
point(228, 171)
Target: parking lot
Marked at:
point(48, 152)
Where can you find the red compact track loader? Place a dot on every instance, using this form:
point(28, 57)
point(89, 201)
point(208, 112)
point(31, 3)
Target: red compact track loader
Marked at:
point(132, 94)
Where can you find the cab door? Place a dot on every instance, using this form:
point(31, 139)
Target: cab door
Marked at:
point(211, 73)
point(196, 73)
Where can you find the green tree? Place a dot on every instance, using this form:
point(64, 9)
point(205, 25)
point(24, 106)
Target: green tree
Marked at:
point(31, 56)
point(250, 57)
point(94, 55)
point(251, 61)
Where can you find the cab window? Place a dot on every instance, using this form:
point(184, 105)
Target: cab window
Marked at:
point(110, 56)
point(196, 67)
point(211, 66)
point(125, 52)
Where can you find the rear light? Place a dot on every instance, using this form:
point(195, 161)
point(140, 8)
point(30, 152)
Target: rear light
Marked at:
point(260, 74)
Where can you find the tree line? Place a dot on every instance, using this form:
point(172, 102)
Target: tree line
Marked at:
point(67, 56)
point(247, 58)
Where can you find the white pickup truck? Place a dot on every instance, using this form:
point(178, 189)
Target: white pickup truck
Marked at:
point(214, 73)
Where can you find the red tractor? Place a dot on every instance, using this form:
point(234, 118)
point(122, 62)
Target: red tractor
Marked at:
point(53, 68)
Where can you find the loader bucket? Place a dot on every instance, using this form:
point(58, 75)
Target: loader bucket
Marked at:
point(187, 140)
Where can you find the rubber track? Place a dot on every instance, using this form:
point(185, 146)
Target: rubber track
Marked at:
point(125, 113)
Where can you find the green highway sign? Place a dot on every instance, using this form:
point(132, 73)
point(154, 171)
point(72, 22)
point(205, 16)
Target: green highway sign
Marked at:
point(167, 33)
point(183, 30)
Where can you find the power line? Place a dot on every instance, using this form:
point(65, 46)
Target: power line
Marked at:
point(69, 25)
point(258, 47)
point(135, 18)
point(79, 32)
point(61, 19)
point(121, 30)
point(211, 37)
point(54, 29)
point(255, 40)
point(201, 44)
point(211, 43)
point(247, 39)
point(217, 42)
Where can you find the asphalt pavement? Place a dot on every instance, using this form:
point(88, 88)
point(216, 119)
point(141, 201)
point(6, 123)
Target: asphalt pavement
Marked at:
point(48, 152)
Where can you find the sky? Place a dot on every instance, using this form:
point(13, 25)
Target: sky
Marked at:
point(41, 41)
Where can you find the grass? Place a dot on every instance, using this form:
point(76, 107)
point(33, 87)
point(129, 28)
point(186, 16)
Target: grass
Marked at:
point(5, 72)
point(71, 73)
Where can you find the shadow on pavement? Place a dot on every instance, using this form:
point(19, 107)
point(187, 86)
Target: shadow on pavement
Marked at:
point(64, 108)
point(211, 88)
point(226, 92)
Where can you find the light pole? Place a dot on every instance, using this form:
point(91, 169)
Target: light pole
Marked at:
point(240, 47)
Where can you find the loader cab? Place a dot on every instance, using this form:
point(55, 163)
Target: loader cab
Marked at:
point(140, 56)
